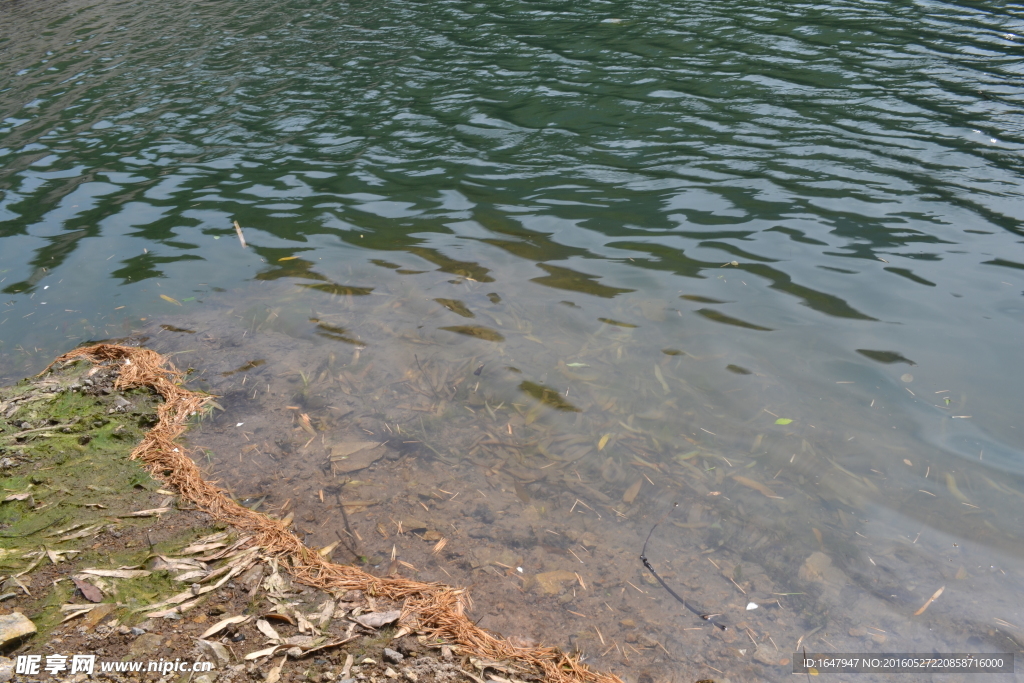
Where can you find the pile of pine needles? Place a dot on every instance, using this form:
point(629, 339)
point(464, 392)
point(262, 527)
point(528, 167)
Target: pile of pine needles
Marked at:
point(434, 608)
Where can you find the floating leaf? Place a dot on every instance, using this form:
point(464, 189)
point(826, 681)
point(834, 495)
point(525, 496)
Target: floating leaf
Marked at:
point(603, 442)
point(191, 298)
point(288, 258)
point(170, 299)
point(783, 421)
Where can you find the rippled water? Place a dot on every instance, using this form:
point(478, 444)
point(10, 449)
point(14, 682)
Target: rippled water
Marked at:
point(659, 228)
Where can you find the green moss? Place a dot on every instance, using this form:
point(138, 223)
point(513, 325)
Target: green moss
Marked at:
point(76, 472)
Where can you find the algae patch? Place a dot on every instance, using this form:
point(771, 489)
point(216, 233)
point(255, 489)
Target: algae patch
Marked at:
point(69, 493)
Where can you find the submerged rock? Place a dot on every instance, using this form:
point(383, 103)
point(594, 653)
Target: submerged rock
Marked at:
point(550, 583)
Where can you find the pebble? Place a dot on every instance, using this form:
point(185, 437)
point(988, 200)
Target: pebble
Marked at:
point(136, 631)
point(393, 656)
point(390, 673)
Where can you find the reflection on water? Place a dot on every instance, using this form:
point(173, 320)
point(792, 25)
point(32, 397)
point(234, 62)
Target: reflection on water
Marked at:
point(757, 259)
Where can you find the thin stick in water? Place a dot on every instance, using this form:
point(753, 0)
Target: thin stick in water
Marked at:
point(241, 237)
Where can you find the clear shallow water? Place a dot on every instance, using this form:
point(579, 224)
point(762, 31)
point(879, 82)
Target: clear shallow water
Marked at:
point(570, 180)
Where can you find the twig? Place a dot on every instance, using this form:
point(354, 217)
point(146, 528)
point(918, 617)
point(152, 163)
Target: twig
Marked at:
point(241, 237)
point(39, 429)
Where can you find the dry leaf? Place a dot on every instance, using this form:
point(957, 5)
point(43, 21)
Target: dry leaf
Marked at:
point(284, 618)
point(345, 448)
point(306, 424)
point(630, 495)
point(328, 549)
point(91, 531)
point(91, 592)
point(756, 485)
point(603, 442)
point(148, 513)
point(266, 629)
point(350, 456)
point(377, 619)
point(201, 548)
point(117, 573)
point(222, 624)
point(274, 675)
point(262, 653)
point(170, 299)
point(17, 496)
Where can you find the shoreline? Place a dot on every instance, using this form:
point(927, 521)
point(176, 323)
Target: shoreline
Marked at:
point(99, 562)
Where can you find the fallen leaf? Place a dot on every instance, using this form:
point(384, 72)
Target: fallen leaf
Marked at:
point(756, 485)
point(377, 619)
point(201, 548)
point(170, 299)
point(274, 675)
point(91, 592)
point(783, 421)
point(350, 456)
point(283, 618)
point(266, 629)
point(17, 496)
point(328, 549)
point(287, 258)
point(222, 624)
point(117, 573)
point(155, 512)
point(347, 448)
point(603, 442)
point(262, 653)
point(630, 495)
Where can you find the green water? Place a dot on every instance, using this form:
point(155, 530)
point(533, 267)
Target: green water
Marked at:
point(795, 211)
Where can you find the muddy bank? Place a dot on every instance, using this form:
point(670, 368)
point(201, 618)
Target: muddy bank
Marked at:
point(99, 558)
